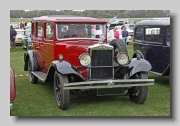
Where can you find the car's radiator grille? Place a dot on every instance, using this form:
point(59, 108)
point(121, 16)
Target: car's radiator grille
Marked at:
point(101, 58)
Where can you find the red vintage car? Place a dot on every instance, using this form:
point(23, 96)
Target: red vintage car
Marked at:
point(12, 88)
point(72, 52)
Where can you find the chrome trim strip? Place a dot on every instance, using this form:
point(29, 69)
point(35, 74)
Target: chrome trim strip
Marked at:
point(109, 84)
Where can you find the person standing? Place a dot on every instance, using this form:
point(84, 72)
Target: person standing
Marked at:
point(21, 25)
point(13, 34)
point(124, 35)
point(116, 33)
point(122, 26)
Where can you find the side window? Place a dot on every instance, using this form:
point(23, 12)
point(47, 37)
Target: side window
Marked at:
point(39, 28)
point(49, 31)
point(138, 33)
point(153, 34)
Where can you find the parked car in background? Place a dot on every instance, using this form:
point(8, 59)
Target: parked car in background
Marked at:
point(110, 34)
point(12, 89)
point(73, 54)
point(118, 25)
point(115, 23)
point(130, 29)
point(152, 41)
point(15, 25)
point(26, 41)
point(129, 26)
point(19, 36)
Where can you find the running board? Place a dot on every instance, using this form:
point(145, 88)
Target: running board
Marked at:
point(155, 73)
point(39, 74)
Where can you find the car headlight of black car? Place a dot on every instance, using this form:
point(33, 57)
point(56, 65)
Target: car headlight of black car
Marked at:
point(122, 58)
point(85, 59)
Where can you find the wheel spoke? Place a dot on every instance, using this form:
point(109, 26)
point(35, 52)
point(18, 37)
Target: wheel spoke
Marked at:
point(58, 91)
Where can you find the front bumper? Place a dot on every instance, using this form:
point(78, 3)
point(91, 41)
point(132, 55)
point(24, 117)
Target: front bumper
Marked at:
point(11, 106)
point(109, 84)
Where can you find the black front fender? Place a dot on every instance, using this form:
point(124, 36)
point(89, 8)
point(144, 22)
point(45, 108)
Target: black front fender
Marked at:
point(64, 67)
point(137, 65)
point(32, 56)
point(137, 52)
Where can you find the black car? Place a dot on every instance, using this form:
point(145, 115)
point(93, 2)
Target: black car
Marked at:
point(26, 41)
point(152, 42)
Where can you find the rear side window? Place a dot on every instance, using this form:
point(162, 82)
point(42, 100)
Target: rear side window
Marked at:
point(39, 28)
point(153, 34)
point(138, 34)
point(49, 31)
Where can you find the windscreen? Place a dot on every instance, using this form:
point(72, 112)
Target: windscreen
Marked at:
point(80, 30)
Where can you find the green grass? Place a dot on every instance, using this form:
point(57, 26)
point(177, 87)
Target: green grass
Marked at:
point(39, 100)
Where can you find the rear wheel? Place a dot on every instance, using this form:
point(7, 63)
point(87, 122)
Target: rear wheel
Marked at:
point(61, 95)
point(33, 79)
point(139, 94)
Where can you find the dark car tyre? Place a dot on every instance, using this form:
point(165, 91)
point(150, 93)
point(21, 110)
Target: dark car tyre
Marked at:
point(119, 46)
point(61, 95)
point(139, 94)
point(33, 79)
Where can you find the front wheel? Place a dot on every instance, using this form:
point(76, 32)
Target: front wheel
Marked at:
point(139, 94)
point(61, 95)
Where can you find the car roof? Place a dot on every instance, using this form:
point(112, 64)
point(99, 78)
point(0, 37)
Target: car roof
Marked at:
point(154, 22)
point(68, 18)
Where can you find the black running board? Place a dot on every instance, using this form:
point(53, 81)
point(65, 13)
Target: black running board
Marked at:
point(155, 73)
point(40, 75)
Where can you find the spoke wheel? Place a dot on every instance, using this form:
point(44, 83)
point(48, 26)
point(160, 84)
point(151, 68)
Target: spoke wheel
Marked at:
point(61, 95)
point(139, 94)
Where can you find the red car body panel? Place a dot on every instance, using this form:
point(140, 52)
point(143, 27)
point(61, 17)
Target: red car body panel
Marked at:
point(12, 86)
point(67, 49)
point(47, 51)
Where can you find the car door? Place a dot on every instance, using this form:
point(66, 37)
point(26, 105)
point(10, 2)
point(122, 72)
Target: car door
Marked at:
point(154, 47)
point(167, 49)
point(149, 40)
point(38, 40)
point(48, 46)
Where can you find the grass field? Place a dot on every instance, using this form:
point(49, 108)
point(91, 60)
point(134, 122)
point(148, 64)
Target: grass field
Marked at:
point(39, 100)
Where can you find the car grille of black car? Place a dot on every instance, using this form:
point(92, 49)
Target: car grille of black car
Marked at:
point(101, 58)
